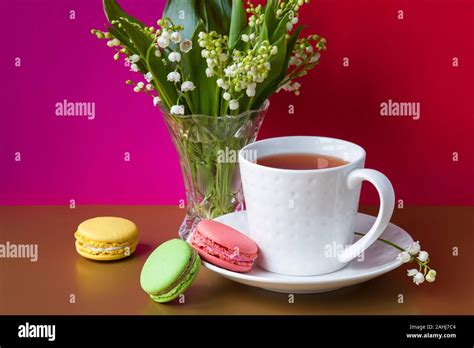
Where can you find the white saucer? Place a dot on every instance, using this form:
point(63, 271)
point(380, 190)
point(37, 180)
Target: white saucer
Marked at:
point(380, 258)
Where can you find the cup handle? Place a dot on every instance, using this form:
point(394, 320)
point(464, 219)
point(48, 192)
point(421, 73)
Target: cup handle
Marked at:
point(387, 203)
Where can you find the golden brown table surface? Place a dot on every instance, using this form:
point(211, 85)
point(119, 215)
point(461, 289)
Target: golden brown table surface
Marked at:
point(45, 286)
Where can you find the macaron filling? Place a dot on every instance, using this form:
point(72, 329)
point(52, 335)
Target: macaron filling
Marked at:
point(104, 248)
point(100, 250)
point(210, 247)
point(170, 291)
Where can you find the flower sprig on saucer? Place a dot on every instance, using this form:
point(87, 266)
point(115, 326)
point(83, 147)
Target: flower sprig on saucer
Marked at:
point(411, 254)
point(414, 253)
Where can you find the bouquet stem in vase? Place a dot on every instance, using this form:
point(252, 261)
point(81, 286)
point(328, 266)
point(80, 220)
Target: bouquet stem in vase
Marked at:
point(208, 149)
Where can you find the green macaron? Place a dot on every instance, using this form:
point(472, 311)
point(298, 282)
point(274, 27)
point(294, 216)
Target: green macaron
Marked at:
point(170, 270)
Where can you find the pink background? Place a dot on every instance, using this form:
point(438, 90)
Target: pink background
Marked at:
point(407, 60)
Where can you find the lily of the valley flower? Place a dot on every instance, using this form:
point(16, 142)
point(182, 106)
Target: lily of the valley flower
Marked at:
point(418, 278)
point(186, 46)
point(431, 276)
point(134, 58)
point(187, 86)
point(156, 100)
point(413, 253)
point(423, 256)
point(176, 37)
point(174, 57)
point(233, 104)
point(163, 42)
point(113, 43)
point(134, 68)
point(174, 76)
point(404, 257)
point(177, 110)
point(414, 248)
point(148, 76)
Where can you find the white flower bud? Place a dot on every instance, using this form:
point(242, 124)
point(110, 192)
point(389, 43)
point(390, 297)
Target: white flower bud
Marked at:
point(404, 257)
point(149, 87)
point(274, 50)
point(205, 53)
point(187, 86)
point(431, 276)
point(158, 53)
point(177, 110)
point(201, 35)
point(414, 248)
point(134, 58)
point(136, 89)
point(226, 96)
point(233, 104)
point(418, 278)
point(423, 256)
point(134, 68)
point(156, 101)
point(412, 272)
point(220, 82)
point(294, 20)
point(174, 57)
point(163, 42)
point(252, 37)
point(174, 76)
point(289, 26)
point(250, 92)
point(176, 37)
point(140, 85)
point(245, 38)
point(149, 76)
point(113, 42)
point(210, 62)
point(209, 72)
point(166, 34)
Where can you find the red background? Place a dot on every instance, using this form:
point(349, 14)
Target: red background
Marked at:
point(408, 60)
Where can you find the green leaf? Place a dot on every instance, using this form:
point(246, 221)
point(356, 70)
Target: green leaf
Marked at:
point(238, 22)
point(270, 17)
point(219, 15)
point(215, 15)
point(205, 93)
point(113, 11)
point(139, 39)
point(280, 29)
point(160, 70)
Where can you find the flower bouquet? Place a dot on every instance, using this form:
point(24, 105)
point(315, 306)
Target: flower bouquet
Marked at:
point(210, 66)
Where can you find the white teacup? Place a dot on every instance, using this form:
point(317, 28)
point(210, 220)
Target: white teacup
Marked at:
point(303, 220)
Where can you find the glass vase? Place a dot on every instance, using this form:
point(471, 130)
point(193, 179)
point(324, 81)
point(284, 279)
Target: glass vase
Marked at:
point(208, 149)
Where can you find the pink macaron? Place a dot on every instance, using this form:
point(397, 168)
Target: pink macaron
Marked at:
point(224, 246)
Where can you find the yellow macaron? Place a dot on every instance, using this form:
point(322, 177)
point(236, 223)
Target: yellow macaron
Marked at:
point(106, 238)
